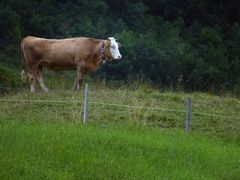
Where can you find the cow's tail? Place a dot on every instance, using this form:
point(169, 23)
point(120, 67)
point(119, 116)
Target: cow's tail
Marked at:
point(23, 67)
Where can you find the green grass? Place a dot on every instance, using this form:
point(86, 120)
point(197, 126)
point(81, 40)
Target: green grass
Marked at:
point(63, 150)
point(46, 140)
point(225, 127)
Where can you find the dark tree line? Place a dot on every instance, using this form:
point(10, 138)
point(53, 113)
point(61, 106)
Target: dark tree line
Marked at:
point(195, 43)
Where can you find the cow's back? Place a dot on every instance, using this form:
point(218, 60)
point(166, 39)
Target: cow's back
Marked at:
point(57, 53)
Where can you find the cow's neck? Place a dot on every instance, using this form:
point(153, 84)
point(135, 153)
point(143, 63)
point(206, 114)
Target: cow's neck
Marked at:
point(99, 56)
point(101, 52)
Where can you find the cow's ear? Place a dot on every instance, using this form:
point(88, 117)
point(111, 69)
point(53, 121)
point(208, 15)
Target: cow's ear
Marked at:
point(108, 42)
point(119, 45)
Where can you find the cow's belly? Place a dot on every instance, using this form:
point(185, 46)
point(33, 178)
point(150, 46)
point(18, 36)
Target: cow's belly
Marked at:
point(59, 64)
point(60, 57)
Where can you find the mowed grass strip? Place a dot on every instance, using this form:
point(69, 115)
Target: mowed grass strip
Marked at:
point(68, 150)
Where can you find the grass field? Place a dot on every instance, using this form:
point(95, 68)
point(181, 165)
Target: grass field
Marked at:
point(48, 150)
point(211, 115)
point(45, 139)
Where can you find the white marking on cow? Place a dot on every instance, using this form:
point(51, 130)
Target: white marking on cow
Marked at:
point(114, 48)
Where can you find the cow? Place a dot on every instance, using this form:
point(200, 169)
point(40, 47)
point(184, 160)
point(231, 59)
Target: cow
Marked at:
point(82, 54)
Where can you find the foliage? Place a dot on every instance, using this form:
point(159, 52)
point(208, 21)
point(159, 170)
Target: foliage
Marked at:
point(192, 43)
point(8, 79)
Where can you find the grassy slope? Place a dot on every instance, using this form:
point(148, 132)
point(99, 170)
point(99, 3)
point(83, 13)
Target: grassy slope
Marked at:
point(225, 127)
point(66, 150)
point(47, 140)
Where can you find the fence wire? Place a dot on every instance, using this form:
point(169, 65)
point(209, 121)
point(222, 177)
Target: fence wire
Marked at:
point(120, 106)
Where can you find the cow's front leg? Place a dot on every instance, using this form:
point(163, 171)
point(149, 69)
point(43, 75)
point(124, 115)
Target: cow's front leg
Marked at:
point(78, 81)
point(79, 85)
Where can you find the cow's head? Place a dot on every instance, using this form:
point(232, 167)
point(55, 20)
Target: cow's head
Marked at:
point(112, 49)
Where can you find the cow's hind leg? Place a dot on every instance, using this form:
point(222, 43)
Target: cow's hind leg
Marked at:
point(40, 79)
point(78, 81)
point(32, 81)
point(32, 74)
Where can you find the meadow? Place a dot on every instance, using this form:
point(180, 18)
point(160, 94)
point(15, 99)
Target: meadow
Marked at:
point(136, 123)
point(134, 132)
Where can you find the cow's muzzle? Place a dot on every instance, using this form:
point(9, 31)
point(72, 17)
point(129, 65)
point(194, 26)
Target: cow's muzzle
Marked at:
point(118, 57)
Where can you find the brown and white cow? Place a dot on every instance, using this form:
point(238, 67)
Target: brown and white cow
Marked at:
point(82, 54)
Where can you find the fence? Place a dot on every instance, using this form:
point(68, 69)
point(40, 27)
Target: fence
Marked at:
point(145, 112)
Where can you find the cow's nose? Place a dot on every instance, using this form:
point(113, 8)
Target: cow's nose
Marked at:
point(119, 57)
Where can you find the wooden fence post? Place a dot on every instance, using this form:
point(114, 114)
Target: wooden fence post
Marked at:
point(85, 115)
point(188, 114)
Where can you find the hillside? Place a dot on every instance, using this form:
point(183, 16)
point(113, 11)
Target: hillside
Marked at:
point(171, 50)
point(192, 43)
point(132, 132)
point(137, 104)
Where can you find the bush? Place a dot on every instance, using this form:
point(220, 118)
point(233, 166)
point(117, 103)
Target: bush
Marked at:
point(9, 79)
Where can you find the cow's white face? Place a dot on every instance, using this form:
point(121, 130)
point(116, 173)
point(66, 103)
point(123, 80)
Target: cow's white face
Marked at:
point(114, 48)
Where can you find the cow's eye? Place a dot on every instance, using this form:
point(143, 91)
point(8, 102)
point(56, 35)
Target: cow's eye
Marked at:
point(113, 47)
